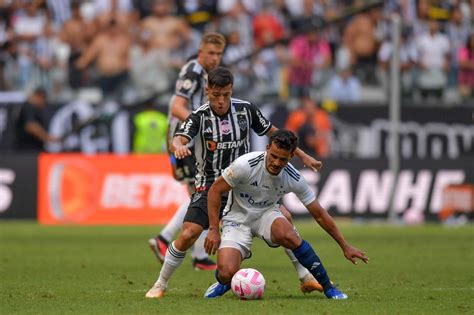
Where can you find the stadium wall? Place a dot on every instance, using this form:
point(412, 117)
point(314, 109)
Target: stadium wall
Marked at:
point(139, 189)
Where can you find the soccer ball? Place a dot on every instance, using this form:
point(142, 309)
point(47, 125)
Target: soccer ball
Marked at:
point(248, 284)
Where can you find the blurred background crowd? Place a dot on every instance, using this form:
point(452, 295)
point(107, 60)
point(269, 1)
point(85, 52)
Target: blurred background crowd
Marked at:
point(132, 50)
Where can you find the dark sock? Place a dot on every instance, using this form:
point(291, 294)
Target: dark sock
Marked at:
point(219, 280)
point(308, 258)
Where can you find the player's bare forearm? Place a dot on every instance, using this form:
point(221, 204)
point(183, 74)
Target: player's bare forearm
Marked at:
point(178, 147)
point(327, 223)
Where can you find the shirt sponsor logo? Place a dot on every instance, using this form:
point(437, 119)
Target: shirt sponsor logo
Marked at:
point(252, 201)
point(213, 146)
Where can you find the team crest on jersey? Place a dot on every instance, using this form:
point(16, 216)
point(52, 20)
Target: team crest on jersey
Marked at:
point(242, 123)
point(225, 127)
point(187, 84)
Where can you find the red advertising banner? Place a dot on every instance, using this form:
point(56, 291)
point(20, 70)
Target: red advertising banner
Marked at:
point(107, 189)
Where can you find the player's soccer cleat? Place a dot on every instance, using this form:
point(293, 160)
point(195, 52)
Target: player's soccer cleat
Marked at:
point(159, 246)
point(157, 291)
point(216, 290)
point(204, 264)
point(309, 284)
point(335, 294)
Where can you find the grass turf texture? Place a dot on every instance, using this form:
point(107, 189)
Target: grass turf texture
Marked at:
point(107, 270)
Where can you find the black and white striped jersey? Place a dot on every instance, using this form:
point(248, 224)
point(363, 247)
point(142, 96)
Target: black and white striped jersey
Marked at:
point(219, 140)
point(190, 84)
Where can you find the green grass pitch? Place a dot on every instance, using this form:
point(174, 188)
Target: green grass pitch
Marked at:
point(107, 270)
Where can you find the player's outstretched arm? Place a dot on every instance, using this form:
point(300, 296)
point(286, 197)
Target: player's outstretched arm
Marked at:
point(179, 147)
point(307, 160)
point(327, 223)
point(214, 196)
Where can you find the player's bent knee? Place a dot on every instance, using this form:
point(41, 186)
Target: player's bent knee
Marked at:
point(289, 240)
point(188, 237)
point(226, 272)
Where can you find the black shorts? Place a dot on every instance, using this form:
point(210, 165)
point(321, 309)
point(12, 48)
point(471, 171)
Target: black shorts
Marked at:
point(184, 170)
point(197, 210)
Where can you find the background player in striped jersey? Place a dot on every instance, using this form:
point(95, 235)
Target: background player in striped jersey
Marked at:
point(221, 130)
point(257, 181)
point(189, 95)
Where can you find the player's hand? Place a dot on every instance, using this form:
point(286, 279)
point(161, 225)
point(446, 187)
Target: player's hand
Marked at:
point(181, 152)
point(212, 242)
point(312, 163)
point(353, 253)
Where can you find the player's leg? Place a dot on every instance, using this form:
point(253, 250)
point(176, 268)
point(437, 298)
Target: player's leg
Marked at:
point(160, 243)
point(174, 257)
point(307, 281)
point(282, 233)
point(236, 241)
point(201, 260)
point(195, 221)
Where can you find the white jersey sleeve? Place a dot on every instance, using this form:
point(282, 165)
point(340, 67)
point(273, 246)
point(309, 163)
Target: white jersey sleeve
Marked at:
point(237, 172)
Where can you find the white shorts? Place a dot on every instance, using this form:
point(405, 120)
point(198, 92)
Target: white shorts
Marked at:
point(239, 236)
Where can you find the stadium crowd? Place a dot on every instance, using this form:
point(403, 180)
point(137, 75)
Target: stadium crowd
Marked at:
point(131, 50)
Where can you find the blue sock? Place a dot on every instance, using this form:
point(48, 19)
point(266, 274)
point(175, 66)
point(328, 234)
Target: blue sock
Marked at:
point(308, 258)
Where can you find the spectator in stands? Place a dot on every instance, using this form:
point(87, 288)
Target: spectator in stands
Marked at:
point(267, 27)
point(344, 87)
point(309, 55)
point(149, 67)
point(77, 33)
point(31, 125)
point(361, 40)
point(109, 50)
point(466, 67)
point(28, 25)
point(235, 58)
point(458, 32)
point(166, 28)
point(313, 126)
point(408, 56)
point(197, 13)
point(433, 51)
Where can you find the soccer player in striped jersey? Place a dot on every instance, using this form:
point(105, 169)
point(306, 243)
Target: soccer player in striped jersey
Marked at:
point(257, 182)
point(221, 131)
point(189, 95)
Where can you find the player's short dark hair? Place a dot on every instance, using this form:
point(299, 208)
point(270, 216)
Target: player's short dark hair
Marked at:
point(220, 77)
point(284, 139)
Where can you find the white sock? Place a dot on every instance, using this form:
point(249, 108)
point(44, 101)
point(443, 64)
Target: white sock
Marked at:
point(198, 250)
point(173, 259)
point(176, 222)
point(302, 271)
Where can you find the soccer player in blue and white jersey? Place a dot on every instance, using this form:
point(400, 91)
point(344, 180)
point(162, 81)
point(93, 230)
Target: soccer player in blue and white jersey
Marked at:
point(221, 131)
point(257, 181)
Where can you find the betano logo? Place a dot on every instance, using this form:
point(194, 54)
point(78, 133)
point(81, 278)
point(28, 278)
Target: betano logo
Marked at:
point(213, 146)
point(107, 189)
